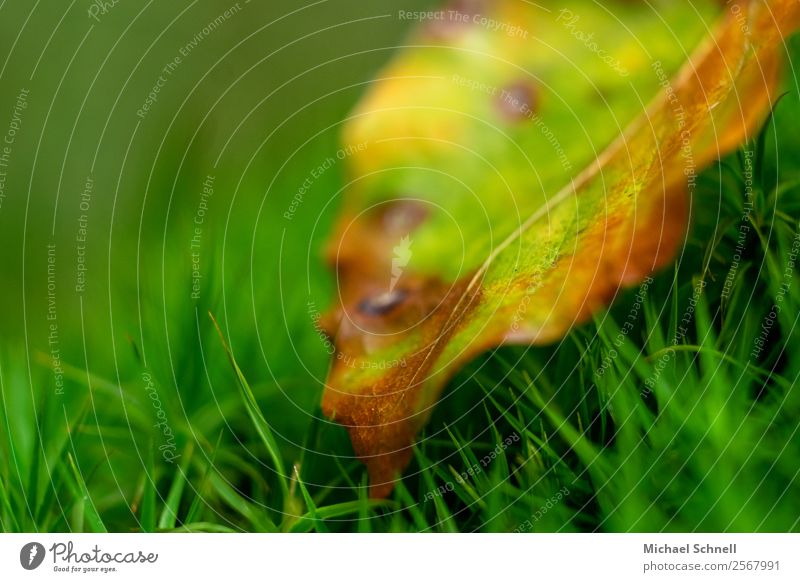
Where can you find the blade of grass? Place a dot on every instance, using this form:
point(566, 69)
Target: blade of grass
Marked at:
point(89, 510)
point(254, 412)
point(169, 515)
point(194, 508)
point(310, 505)
point(148, 516)
point(334, 511)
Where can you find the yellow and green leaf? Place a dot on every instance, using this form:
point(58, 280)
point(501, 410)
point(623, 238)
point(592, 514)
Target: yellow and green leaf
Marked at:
point(511, 170)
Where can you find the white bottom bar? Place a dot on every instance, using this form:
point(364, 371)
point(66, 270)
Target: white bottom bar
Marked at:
point(401, 557)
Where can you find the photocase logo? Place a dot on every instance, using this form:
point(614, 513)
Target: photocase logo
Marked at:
point(31, 555)
point(402, 255)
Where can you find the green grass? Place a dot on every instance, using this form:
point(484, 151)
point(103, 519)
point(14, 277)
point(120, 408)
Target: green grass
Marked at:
point(674, 424)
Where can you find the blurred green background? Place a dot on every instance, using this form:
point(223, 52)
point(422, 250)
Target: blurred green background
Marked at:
point(255, 100)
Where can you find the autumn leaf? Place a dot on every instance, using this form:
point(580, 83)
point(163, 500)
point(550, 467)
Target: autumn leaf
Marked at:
point(512, 177)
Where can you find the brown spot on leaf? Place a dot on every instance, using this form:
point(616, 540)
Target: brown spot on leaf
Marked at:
point(400, 217)
point(382, 304)
point(468, 7)
point(456, 17)
point(518, 101)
